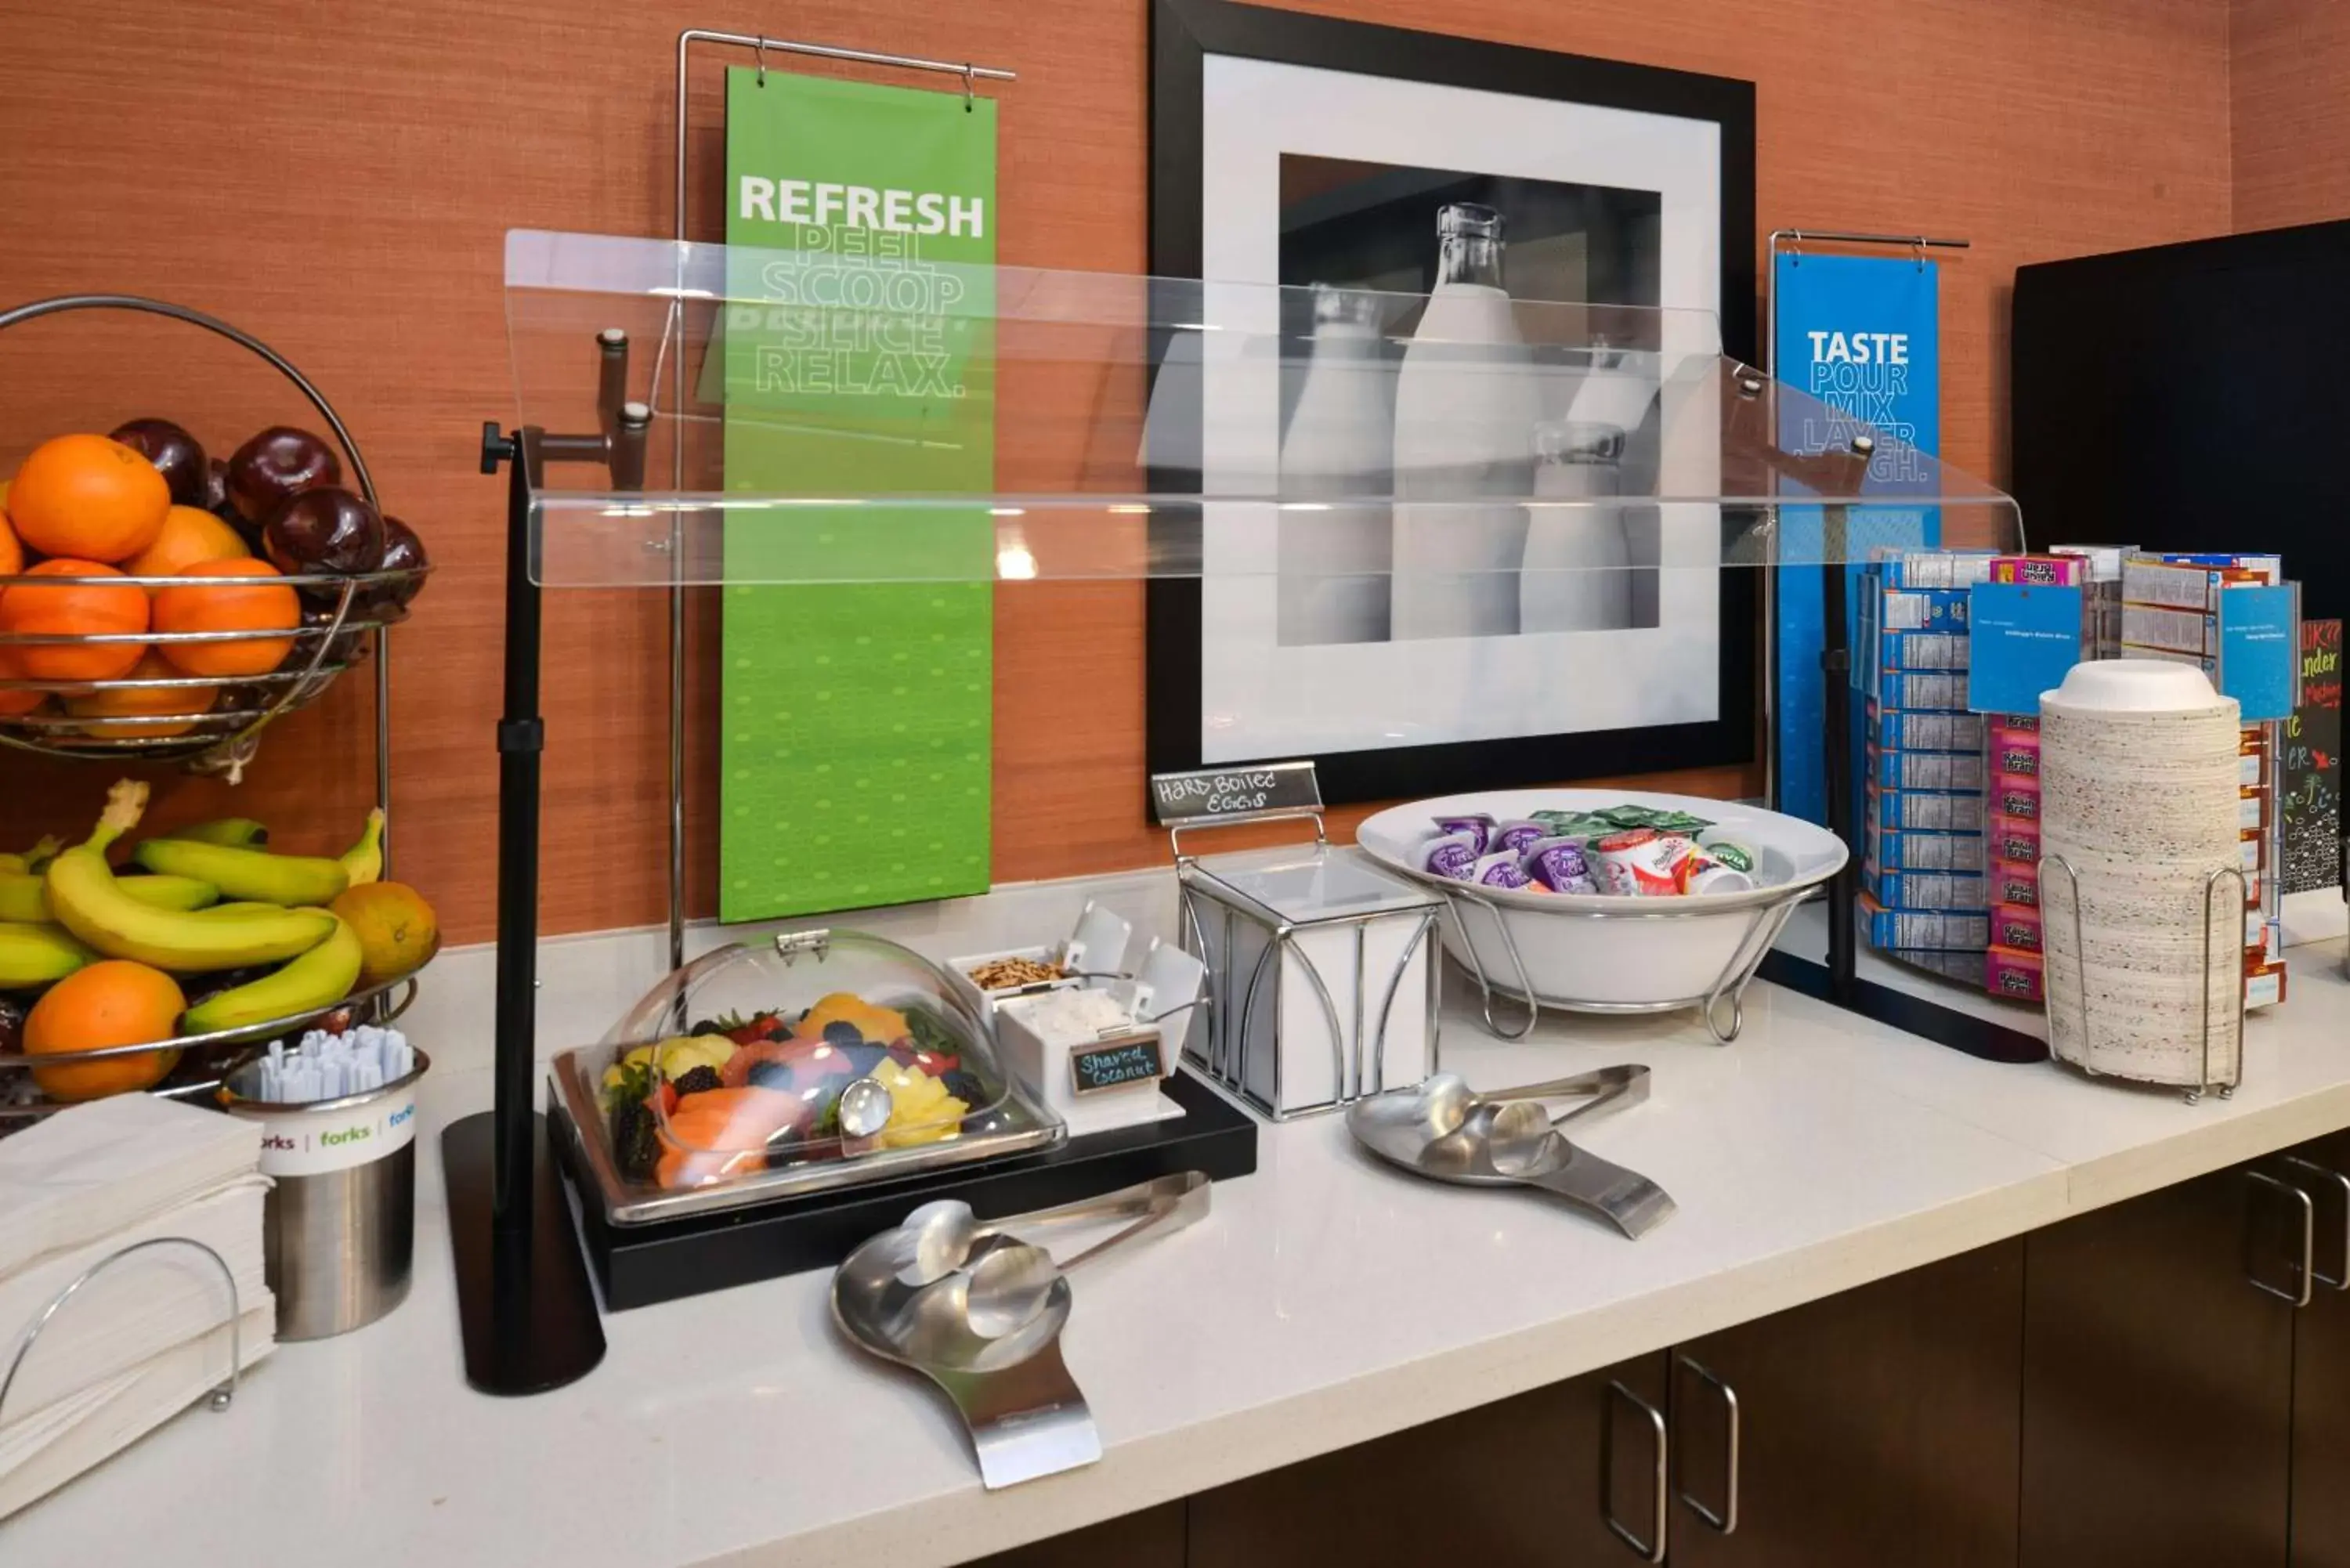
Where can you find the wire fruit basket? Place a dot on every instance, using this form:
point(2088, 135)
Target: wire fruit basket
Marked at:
point(216, 728)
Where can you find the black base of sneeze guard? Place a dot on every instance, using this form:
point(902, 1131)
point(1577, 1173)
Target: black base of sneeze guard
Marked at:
point(639, 1265)
point(1902, 1009)
point(524, 1299)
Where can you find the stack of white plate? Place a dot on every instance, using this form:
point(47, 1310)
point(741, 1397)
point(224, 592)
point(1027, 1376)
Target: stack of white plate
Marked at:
point(2138, 797)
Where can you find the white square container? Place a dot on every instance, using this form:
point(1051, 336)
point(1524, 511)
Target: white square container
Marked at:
point(1322, 976)
point(1092, 956)
point(1137, 1034)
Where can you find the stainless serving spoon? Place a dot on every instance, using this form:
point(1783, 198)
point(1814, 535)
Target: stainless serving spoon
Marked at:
point(979, 1312)
point(1444, 1130)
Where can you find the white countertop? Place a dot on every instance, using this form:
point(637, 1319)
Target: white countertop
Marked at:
point(1325, 1301)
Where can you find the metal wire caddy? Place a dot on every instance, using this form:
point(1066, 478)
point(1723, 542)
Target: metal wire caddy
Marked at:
point(1762, 934)
point(224, 738)
point(220, 1395)
point(2205, 1081)
point(1221, 1056)
point(223, 734)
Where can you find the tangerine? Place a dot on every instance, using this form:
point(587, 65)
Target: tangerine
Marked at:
point(74, 609)
point(241, 606)
point(143, 702)
point(87, 497)
point(112, 1002)
point(189, 534)
point(15, 703)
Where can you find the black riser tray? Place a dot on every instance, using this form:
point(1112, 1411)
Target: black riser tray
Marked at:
point(638, 1265)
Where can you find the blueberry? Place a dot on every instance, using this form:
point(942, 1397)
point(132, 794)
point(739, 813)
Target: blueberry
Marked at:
point(863, 1058)
point(771, 1075)
point(842, 1033)
point(964, 1086)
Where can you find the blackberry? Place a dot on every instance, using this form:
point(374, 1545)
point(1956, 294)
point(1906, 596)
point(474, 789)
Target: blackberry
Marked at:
point(700, 1078)
point(964, 1086)
point(766, 1074)
point(636, 1142)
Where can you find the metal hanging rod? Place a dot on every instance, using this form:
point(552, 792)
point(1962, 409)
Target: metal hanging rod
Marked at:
point(760, 47)
point(1844, 237)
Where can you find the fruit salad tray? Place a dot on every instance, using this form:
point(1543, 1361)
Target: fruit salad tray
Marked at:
point(819, 1060)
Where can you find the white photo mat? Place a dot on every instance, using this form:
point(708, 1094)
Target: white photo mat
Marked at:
point(1260, 699)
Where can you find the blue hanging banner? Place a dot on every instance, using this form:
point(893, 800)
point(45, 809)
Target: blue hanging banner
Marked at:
point(1863, 335)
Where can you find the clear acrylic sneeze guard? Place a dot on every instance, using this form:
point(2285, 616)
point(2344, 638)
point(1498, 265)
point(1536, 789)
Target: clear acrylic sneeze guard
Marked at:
point(1526, 494)
point(1170, 428)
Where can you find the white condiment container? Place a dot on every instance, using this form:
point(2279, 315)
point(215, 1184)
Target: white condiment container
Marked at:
point(1322, 976)
point(1095, 1056)
point(1094, 955)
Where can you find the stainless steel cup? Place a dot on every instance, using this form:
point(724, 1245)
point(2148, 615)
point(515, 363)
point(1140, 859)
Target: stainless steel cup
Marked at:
point(340, 1241)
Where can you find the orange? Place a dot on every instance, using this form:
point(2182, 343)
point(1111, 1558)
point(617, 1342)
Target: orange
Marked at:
point(13, 704)
point(87, 497)
point(139, 701)
point(11, 553)
point(241, 606)
point(189, 534)
point(111, 1002)
point(398, 930)
point(74, 610)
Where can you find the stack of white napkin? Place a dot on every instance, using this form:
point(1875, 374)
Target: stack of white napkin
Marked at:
point(149, 1336)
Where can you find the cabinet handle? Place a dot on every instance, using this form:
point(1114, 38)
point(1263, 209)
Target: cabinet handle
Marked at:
point(2340, 1282)
point(1726, 1521)
point(2299, 1297)
point(1653, 1549)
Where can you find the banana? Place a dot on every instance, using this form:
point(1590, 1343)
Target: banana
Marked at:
point(86, 899)
point(22, 902)
point(32, 860)
point(164, 892)
point(235, 832)
point(242, 874)
point(318, 978)
point(364, 860)
point(243, 907)
point(35, 955)
point(25, 898)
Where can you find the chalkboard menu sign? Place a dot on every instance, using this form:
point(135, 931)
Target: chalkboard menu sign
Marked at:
point(1130, 1059)
point(2311, 797)
point(1233, 794)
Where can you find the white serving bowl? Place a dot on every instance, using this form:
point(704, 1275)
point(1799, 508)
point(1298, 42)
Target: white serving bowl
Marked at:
point(1578, 950)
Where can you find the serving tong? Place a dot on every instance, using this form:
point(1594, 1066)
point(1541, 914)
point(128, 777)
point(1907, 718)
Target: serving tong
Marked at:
point(1442, 1130)
point(979, 1311)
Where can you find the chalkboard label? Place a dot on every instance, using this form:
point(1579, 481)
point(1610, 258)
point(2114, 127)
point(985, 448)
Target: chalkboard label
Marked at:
point(1217, 795)
point(1128, 1059)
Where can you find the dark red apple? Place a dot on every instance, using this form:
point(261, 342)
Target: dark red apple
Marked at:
point(346, 647)
point(173, 451)
point(325, 530)
point(277, 465)
point(402, 552)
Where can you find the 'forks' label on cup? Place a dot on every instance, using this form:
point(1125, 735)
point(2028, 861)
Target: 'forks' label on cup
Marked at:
point(314, 1142)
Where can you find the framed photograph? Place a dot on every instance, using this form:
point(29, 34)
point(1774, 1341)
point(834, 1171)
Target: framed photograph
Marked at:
point(1425, 654)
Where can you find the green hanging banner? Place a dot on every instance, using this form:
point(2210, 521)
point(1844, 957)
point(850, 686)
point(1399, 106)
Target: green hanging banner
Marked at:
point(855, 728)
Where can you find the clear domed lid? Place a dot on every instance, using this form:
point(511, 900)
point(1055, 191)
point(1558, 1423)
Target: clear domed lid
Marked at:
point(816, 1048)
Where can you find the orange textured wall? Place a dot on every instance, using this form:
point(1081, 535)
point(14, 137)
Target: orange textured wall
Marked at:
point(2290, 111)
point(337, 178)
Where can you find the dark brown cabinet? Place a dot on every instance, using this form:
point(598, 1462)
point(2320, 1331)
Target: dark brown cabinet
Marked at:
point(2157, 1381)
point(1518, 1482)
point(1876, 1428)
point(2164, 1383)
point(2321, 1366)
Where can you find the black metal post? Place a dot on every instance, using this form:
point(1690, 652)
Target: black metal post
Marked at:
point(524, 1300)
point(522, 738)
point(1836, 667)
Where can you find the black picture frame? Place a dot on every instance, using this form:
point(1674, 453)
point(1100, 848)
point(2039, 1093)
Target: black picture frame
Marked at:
point(1182, 33)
